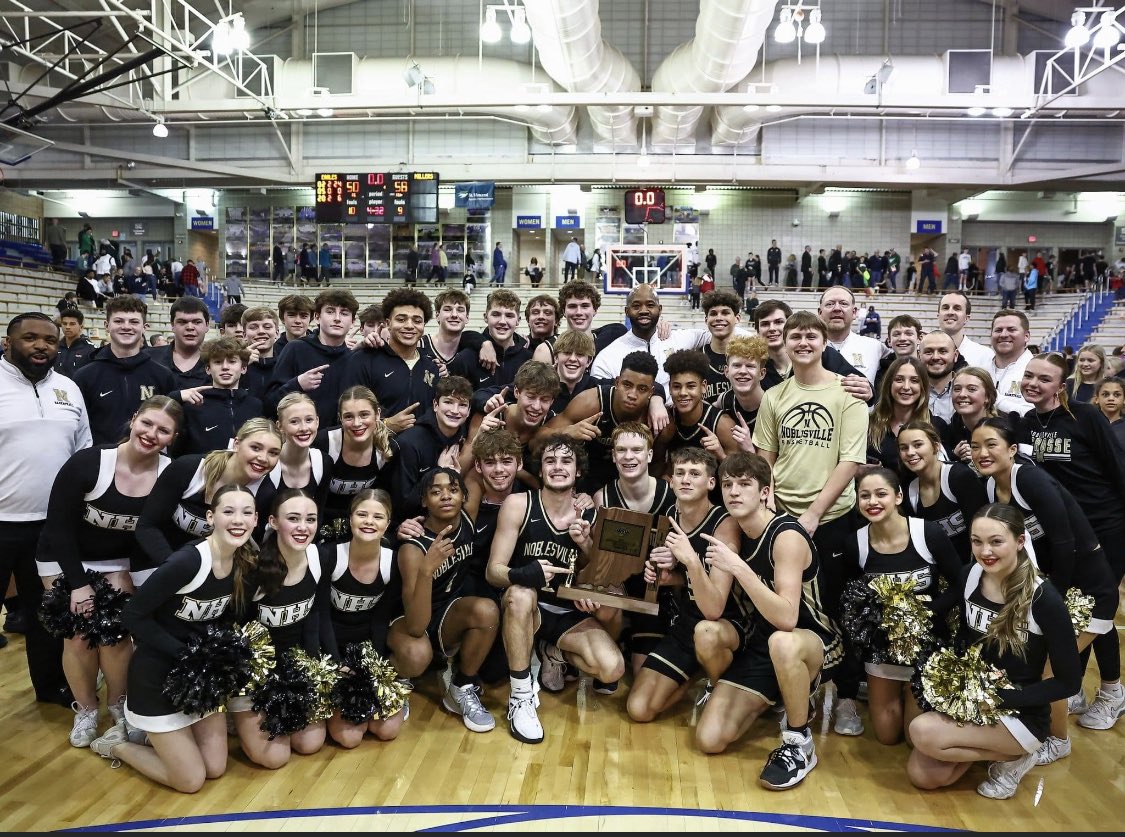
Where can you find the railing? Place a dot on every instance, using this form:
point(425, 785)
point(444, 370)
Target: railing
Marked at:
point(1088, 307)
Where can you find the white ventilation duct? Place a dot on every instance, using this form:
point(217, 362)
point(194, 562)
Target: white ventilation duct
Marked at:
point(917, 83)
point(728, 37)
point(568, 37)
point(378, 82)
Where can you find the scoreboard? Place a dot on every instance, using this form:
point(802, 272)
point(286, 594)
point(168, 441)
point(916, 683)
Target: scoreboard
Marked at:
point(377, 197)
point(645, 206)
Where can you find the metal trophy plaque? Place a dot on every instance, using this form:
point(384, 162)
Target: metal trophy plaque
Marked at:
point(621, 543)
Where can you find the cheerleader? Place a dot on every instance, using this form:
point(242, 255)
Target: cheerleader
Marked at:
point(364, 589)
point(974, 400)
point(1060, 540)
point(358, 449)
point(175, 513)
point(288, 579)
point(197, 586)
point(95, 501)
point(903, 548)
point(437, 613)
point(903, 398)
point(1074, 443)
point(948, 493)
point(1021, 624)
point(300, 465)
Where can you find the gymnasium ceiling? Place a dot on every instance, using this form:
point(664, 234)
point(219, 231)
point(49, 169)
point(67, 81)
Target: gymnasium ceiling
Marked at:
point(616, 91)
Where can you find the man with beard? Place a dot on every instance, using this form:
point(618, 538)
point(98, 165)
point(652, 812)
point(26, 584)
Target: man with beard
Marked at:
point(643, 309)
point(44, 422)
point(954, 311)
point(939, 354)
point(539, 536)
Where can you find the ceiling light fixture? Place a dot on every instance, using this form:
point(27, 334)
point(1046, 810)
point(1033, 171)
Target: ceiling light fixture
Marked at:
point(1078, 35)
point(1002, 111)
point(977, 110)
point(1108, 33)
point(815, 33)
point(913, 162)
point(160, 130)
point(785, 32)
point(491, 31)
point(230, 35)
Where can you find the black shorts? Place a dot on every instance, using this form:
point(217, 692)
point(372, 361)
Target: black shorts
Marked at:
point(644, 631)
point(674, 655)
point(752, 669)
point(553, 626)
point(475, 585)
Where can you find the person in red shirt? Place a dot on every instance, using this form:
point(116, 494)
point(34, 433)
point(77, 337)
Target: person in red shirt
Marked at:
point(708, 283)
point(189, 278)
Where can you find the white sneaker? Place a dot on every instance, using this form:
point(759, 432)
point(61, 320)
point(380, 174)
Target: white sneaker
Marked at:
point(466, 703)
point(1052, 750)
point(104, 746)
point(1004, 777)
point(117, 711)
point(85, 728)
point(847, 721)
point(1077, 704)
point(523, 720)
point(1104, 711)
point(790, 763)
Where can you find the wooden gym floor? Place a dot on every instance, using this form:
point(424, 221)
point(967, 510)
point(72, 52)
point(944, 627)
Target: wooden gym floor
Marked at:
point(595, 771)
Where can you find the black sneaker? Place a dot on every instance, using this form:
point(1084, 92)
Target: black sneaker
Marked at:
point(15, 624)
point(790, 763)
point(605, 688)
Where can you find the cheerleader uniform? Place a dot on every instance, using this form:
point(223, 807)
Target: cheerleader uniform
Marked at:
point(927, 550)
point(316, 487)
point(360, 610)
point(960, 497)
point(344, 482)
point(674, 654)
point(175, 513)
point(1049, 637)
point(448, 582)
point(290, 615)
point(752, 669)
point(1061, 541)
point(179, 601)
point(90, 524)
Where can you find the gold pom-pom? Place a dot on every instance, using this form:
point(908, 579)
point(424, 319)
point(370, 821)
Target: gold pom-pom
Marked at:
point(390, 692)
point(322, 671)
point(263, 658)
point(1080, 607)
point(964, 686)
point(906, 619)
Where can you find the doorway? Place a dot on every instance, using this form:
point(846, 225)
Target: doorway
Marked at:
point(528, 245)
point(553, 272)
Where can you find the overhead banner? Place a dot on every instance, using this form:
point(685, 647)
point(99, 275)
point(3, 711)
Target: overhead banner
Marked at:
point(477, 195)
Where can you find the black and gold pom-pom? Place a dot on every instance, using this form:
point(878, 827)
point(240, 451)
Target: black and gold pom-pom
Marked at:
point(906, 618)
point(214, 666)
point(100, 626)
point(288, 698)
point(862, 620)
point(371, 688)
point(323, 673)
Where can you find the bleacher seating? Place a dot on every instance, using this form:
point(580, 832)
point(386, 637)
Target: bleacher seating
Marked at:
point(23, 288)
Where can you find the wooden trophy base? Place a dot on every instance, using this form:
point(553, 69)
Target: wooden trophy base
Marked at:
point(617, 600)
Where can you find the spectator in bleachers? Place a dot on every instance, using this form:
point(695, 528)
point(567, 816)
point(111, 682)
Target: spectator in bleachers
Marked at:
point(89, 289)
point(69, 302)
point(189, 279)
point(157, 340)
point(86, 250)
point(74, 349)
point(56, 242)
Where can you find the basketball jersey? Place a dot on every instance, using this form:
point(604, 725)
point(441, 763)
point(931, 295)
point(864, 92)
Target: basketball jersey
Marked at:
point(691, 436)
point(426, 345)
point(600, 450)
point(663, 501)
point(449, 578)
point(356, 605)
point(728, 405)
point(717, 383)
point(685, 605)
point(538, 539)
point(285, 611)
point(811, 613)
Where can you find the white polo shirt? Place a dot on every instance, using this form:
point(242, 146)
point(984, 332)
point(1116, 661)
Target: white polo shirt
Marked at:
point(1008, 396)
point(974, 353)
point(864, 353)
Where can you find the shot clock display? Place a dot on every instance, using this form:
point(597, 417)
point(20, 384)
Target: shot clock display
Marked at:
point(644, 206)
point(377, 198)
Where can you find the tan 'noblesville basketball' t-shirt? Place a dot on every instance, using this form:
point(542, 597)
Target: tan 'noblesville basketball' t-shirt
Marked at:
point(811, 429)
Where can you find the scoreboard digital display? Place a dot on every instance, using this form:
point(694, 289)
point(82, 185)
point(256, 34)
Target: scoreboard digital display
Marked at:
point(645, 206)
point(377, 198)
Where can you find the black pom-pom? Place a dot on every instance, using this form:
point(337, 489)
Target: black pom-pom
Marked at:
point(54, 610)
point(214, 666)
point(287, 699)
point(354, 692)
point(862, 619)
point(100, 626)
